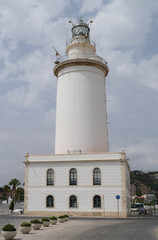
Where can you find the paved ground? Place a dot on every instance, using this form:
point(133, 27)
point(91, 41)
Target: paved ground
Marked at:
point(90, 228)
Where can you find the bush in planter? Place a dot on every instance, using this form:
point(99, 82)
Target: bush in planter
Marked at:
point(36, 221)
point(25, 224)
point(8, 228)
point(25, 227)
point(66, 218)
point(61, 219)
point(46, 221)
point(9, 231)
point(36, 224)
point(53, 220)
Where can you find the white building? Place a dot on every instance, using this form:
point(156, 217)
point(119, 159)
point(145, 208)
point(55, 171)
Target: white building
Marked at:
point(148, 197)
point(82, 177)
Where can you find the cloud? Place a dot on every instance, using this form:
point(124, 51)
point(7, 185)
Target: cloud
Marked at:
point(8, 70)
point(147, 72)
point(90, 6)
point(123, 23)
point(29, 29)
point(50, 116)
point(34, 76)
point(143, 153)
point(16, 96)
point(29, 20)
point(33, 27)
point(132, 117)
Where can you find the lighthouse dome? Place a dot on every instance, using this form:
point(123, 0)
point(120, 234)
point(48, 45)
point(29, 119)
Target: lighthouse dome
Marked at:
point(80, 29)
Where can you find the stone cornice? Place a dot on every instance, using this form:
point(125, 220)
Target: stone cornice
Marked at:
point(80, 62)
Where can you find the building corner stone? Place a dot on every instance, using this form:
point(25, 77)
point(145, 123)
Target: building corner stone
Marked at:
point(26, 183)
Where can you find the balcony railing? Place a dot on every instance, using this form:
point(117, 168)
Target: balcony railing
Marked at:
point(80, 56)
point(79, 39)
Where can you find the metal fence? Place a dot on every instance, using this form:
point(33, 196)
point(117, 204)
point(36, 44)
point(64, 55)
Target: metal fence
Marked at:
point(81, 56)
point(78, 39)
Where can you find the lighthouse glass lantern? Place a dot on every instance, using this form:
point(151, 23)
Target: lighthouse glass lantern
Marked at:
point(80, 29)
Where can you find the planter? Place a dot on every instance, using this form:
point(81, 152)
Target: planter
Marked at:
point(66, 219)
point(53, 222)
point(46, 223)
point(61, 220)
point(8, 234)
point(25, 230)
point(36, 226)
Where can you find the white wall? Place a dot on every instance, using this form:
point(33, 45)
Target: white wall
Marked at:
point(37, 198)
point(81, 122)
point(85, 191)
point(110, 173)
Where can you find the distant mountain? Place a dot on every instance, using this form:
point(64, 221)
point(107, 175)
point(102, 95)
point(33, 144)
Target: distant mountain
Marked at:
point(145, 182)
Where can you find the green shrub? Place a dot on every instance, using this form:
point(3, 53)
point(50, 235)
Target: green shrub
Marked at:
point(66, 216)
point(36, 221)
point(45, 219)
point(61, 217)
point(25, 224)
point(53, 218)
point(9, 227)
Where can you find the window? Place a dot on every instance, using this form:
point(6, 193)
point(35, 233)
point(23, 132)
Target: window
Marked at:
point(50, 177)
point(73, 201)
point(96, 176)
point(96, 202)
point(50, 201)
point(73, 177)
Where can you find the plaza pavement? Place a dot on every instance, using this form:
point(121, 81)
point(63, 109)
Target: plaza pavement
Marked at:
point(60, 231)
point(90, 228)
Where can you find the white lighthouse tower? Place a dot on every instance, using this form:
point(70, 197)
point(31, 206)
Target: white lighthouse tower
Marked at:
point(82, 177)
point(81, 117)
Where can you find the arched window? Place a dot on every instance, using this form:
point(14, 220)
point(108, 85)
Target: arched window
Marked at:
point(97, 201)
point(73, 176)
point(73, 201)
point(96, 176)
point(50, 201)
point(50, 177)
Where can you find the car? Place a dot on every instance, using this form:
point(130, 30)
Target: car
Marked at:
point(136, 206)
point(19, 211)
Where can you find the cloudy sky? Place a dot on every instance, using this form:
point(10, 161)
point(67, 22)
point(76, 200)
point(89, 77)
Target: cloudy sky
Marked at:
point(126, 35)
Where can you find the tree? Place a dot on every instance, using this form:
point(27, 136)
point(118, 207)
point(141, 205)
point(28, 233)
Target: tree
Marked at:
point(20, 194)
point(7, 190)
point(11, 206)
point(14, 183)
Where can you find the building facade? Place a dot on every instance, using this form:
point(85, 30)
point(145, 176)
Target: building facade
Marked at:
point(82, 177)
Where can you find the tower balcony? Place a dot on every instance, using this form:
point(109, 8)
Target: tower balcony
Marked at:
point(80, 59)
point(80, 56)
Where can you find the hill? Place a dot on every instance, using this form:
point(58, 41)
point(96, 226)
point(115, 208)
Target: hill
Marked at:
point(145, 182)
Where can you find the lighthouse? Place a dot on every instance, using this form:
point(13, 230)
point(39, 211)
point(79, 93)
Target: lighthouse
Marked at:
point(82, 178)
point(81, 115)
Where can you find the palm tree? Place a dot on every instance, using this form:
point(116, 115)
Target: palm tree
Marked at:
point(14, 183)
point(20, 194)
point(7, 190)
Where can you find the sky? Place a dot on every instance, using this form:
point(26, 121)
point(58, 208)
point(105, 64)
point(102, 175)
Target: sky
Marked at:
point(125, 32)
